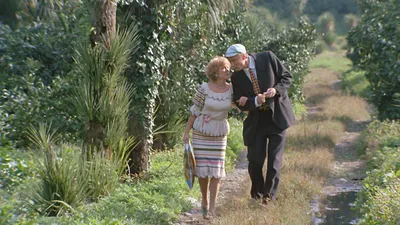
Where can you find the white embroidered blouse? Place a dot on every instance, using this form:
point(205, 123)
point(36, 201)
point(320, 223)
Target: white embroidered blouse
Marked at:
point(211, 109)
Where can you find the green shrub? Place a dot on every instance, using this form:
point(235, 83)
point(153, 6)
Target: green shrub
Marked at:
point(340, 43)
point(15, 167)
point(383, 206)
point(326, 23)
point(321, 46)
point(354, 82)
point(351, 20)
point(235, 143)
point(375, 43)
point(379, 200)
point(34, 65)
point(329, 38)
point(378, 134)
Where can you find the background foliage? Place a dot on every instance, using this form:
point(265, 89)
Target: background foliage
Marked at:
point(379, 199)
point(376, 45)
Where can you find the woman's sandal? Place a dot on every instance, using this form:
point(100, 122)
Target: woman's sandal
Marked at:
point(206, 215)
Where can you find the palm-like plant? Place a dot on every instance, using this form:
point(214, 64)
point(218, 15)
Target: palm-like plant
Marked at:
point(103, 97)
point(66, 178)
point(216, 9)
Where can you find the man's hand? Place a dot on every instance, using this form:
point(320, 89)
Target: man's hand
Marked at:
point(270, 93)
point(242, 101)
point(260, 99)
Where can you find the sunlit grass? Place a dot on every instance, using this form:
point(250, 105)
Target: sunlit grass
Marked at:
point(345, 108)
point(334, 61)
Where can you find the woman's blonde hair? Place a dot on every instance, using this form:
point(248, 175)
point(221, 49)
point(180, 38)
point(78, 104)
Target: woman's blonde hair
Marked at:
point(214, 65)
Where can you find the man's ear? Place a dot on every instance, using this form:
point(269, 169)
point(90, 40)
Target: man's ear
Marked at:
point(244, 56)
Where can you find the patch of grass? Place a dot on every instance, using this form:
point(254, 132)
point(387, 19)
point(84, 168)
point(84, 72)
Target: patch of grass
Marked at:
point(321, 76)
point(355, 83)
point(307, 135)
point(345, 108)
point(335, 61)
point(318, 85)
point(317, 94)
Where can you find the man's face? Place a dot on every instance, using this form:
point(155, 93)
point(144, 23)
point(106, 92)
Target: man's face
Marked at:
point(238, 62)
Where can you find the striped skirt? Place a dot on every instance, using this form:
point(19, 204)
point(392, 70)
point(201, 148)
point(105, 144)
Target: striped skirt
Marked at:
point(209, 153)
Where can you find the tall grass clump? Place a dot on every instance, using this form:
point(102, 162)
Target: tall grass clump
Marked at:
point(66, 179)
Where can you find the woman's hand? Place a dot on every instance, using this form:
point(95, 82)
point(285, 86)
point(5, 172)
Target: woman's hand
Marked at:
point(242, 100)
point(186, 137)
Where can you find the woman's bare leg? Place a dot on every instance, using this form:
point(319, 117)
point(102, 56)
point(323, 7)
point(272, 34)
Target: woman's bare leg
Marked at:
point(204, 182)
point(214, 189)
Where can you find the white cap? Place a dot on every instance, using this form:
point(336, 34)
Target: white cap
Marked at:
point(234, 50)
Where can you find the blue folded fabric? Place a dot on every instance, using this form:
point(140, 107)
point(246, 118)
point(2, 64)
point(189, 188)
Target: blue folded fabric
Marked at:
point(189, 163)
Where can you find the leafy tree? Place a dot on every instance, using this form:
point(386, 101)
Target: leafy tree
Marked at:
point(339, 8)
point(35, 63)
point(287, 9)
point(326, 27)
point(376, 45)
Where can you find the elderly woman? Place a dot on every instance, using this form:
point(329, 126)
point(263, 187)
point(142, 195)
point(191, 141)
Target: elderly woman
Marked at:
point(212, 102)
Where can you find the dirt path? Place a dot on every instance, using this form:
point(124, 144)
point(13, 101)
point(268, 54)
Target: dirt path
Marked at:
point(348, 171)
point(235, 181)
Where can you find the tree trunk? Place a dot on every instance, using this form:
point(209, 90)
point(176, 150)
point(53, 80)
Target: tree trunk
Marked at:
point(139, 158)
point(105, 22)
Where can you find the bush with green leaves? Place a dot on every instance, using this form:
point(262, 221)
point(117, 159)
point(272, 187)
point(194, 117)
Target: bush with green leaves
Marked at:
point(377, 135)
point(355, 83)
point(379, 200)
point(34, 65)
point(15, 167)
point(376, 44)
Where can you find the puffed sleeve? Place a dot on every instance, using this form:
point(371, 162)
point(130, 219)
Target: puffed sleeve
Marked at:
point(198, 101)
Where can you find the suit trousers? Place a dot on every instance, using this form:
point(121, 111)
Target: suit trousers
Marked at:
point(267, 133)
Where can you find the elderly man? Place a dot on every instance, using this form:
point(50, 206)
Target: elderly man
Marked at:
point(260, 86)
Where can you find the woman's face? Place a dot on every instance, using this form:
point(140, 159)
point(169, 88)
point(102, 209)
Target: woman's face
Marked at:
point(224, 71)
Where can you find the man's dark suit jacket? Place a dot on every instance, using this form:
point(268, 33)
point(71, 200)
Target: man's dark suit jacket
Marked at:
point(270, 73)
